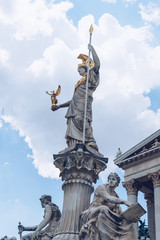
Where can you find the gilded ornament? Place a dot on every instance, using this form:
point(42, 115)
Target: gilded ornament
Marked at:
point(53, 95)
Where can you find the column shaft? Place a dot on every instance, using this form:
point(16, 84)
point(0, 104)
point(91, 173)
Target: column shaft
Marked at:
point(132, 190)
point(76, 200)
point(157, 210)
point(150, 214)
point(132, 197)
point(156, 183)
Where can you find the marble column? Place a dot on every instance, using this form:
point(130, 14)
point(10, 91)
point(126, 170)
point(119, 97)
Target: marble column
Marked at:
point(132, 191)
point(79, 168)
point(156, 183)
point(150, 214)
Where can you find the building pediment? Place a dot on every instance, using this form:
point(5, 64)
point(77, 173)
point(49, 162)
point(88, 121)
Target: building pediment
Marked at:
point(147, 147)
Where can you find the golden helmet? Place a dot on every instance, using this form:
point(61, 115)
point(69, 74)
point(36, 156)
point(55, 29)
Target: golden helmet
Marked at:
point(84, 59)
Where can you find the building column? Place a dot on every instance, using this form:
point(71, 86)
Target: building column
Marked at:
point(150, 214)
point(156, 183)
point(132, 191)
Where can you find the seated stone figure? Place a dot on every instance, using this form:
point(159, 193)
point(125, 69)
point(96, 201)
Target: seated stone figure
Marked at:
point(103, 219)
point(8, 238)
point(45, 230)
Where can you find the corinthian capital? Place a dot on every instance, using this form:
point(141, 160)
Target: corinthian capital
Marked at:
point(131, 186)
point(155, 178)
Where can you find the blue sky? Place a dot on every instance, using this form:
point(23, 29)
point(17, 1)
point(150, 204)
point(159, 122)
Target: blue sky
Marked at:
point(39, 44)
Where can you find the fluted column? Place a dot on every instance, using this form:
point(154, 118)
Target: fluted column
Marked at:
point(77, 194)
point(151, 215)
point(79, 168)
point(156, 183)
point(132, 191)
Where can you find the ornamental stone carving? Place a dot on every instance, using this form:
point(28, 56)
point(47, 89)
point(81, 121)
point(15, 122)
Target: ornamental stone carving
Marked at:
point(155, 178)
point(131, 186)
point(80, 162)
point(79, 167)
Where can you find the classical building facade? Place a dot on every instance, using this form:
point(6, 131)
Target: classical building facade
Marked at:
point(141, 165)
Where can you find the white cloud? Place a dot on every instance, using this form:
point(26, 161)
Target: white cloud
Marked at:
point(14, 123)
point(6, 164)
point(130, 67)
point(17, 201)
point(152, 116)
point(29, 156)
point(30, 18)
point(4, 57)
point(49, 64)
point(111, 167)
point(129, 1)
point(150, 13)
point(109, 1)
point(114, 1)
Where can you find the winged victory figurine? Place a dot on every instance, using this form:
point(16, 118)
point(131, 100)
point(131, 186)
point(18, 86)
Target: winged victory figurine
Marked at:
point(53, 95)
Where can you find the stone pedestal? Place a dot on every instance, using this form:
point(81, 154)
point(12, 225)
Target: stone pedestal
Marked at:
point(79, 168)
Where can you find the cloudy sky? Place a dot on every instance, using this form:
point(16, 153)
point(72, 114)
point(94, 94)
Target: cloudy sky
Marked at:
point(39, 44)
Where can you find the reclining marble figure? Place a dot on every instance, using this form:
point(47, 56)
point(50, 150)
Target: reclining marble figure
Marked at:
point(45, 230)
point(103, 220)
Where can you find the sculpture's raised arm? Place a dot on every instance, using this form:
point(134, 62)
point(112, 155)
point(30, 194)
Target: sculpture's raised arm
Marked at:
point(95, 58)
point(48, 93)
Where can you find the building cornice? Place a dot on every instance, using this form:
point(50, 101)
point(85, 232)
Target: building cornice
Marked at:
point(141, 151)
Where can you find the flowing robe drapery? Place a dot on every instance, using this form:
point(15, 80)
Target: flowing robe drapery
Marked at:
point(75, 113)
point(103, 219)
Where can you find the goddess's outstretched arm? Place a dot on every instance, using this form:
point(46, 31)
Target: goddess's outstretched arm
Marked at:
point(66, 104)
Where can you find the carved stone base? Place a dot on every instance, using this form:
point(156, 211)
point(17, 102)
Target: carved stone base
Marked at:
point(66, 236)
point(79, 167)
